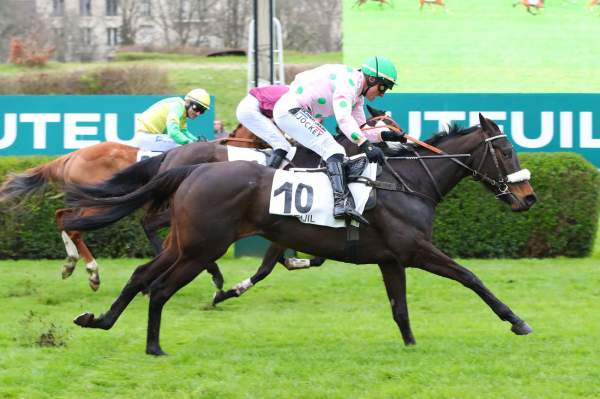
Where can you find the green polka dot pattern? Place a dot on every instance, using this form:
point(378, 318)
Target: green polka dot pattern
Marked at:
point(299, 90)
point(355, 136)
point(349, 69)
point(351, 82)
point(321, 100)
point(343, 104)
point(318, 115)
point(332, 76)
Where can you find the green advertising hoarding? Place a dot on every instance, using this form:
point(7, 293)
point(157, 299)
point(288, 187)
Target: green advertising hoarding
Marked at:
point(52, 125)
point(534, 122)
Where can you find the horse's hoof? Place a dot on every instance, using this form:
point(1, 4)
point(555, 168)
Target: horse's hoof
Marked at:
point(84, 319)
point(521, 328)
point(410, 342)
point(67, 271)
point(155, 351)
point(218, 296)
point(94, 284)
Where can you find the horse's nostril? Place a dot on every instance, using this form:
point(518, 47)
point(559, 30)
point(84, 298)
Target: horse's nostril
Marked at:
point(530, 199)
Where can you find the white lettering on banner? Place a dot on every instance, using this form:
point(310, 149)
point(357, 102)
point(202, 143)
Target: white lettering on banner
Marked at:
point(39, 127)
point(566, 130)
point(518, 132)
point(586, 131)
point(10, 131)
point(72, 130)
point(444, 118)
point(496, 116)
point(414, 124)
point(111, 130)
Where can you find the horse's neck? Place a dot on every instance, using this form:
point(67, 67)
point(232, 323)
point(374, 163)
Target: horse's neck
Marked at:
point(446, 173)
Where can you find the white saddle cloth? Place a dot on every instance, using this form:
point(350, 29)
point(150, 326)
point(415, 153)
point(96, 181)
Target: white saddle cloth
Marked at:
point(145, 154)
point(249, 154)
point(309, 197)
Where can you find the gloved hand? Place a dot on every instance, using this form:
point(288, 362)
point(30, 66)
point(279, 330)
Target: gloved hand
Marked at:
point(374, 154)
point(388, 135)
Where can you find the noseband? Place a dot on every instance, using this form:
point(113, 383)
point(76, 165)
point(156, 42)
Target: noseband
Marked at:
point(500, 186)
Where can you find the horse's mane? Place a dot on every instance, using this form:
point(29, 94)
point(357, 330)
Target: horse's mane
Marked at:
point(435, 140)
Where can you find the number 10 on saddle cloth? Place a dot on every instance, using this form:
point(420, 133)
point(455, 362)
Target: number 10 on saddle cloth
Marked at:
point(309, 197)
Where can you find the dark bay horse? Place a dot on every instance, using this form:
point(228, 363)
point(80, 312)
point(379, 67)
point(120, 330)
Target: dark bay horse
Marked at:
point(90, 165)
point(213, 205)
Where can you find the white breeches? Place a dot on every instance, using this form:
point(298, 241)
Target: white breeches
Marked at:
point(302, 127)
point(154, 142)
point(249, 115)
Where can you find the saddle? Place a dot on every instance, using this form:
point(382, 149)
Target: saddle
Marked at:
point(145, 154)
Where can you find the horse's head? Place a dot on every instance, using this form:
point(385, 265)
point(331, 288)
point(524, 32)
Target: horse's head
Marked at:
point(496, 164)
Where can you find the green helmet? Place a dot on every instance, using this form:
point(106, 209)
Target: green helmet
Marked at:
point(381, 68)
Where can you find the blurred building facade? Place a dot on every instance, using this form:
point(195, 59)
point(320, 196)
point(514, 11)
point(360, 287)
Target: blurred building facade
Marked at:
point(90, 30)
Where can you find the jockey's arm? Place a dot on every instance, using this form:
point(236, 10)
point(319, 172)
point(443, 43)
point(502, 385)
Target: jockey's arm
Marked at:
point(174, 130)
point(345, 116)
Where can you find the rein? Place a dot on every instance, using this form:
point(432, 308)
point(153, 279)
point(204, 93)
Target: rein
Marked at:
point(238, 139)
point(500, 185)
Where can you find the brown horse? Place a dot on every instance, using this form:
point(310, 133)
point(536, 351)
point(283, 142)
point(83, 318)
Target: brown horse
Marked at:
point(90, 165)
point(431, 3)
point(533, 6)
point(213, 205)
point(382, 3)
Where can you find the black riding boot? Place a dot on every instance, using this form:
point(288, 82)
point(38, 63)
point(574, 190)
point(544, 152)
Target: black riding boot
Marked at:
point(277, 156)
point(341, 205)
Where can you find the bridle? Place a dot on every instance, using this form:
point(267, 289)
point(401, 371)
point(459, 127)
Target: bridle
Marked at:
point(498, 185)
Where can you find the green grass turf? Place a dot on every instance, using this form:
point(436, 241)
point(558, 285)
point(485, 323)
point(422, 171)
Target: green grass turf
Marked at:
point(479, 45)
point(325, 333)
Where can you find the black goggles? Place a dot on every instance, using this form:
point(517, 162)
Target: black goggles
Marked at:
point(383, 86)
point(198, 108)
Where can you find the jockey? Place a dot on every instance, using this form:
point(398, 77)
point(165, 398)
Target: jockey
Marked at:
point(335, 90)
point(163, 126)
point(255, 112)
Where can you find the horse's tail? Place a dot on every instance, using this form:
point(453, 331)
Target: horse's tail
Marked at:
point(122, 182)
point(19, 186)
point(156, 192)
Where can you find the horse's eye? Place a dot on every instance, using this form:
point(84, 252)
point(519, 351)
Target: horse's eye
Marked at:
point(507, 152)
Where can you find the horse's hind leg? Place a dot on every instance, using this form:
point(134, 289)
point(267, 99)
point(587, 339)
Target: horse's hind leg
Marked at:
point(429, 258)
point(70, 247)
point(299, 263)
point(394, 277)
point(154, 221)
point(75, 246)
point(177, 276)
point(272, 256)
point(141, 278)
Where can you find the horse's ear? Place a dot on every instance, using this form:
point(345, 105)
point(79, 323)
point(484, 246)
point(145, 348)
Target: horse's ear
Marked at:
point(375, 111)
point(485, 123)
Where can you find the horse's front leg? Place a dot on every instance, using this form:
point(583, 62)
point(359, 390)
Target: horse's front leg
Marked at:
point(430, 258)
point(394, 277)
point(272, 255)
